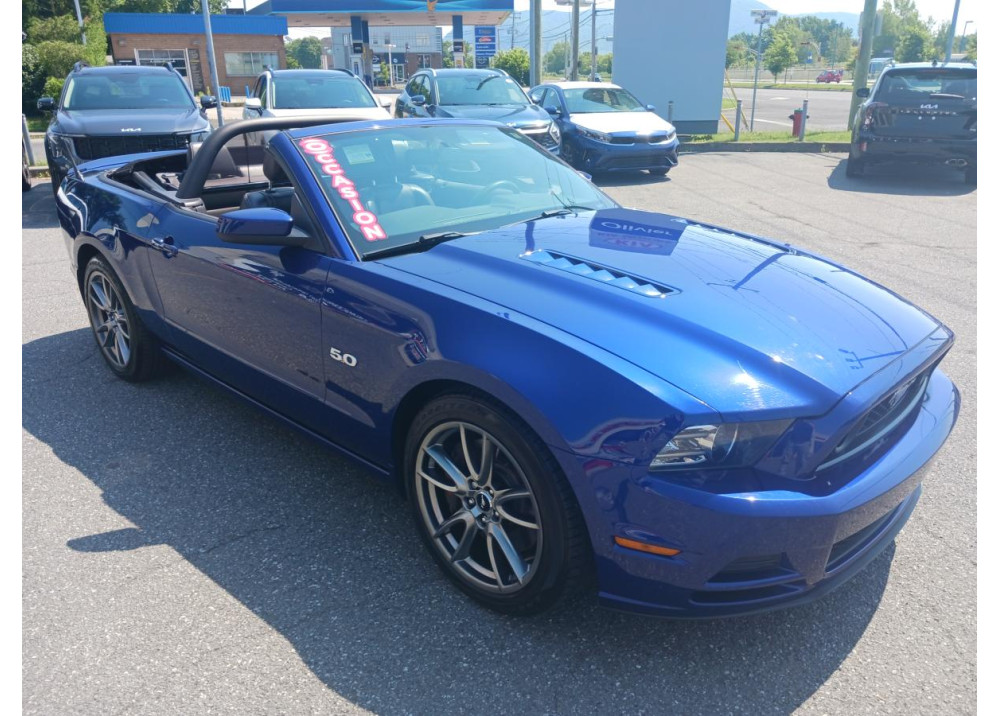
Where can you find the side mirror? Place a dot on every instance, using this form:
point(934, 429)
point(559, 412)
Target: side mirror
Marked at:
point(863, 92)
point(386, 104)
point(252, 103)
point(263, 226)
point(650, 107)
point(554, 111)
point(46, 104)
point(418, 100)
point(208, 102)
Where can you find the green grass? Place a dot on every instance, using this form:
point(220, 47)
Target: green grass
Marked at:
point(728, 103)
point(811, 86)
point(38, 124)
point(818, 136)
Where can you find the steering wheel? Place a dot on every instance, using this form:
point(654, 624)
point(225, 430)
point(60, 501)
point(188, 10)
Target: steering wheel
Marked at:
point(486, 193)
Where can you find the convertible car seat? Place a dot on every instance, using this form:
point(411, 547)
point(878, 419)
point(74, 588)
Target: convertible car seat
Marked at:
point(276, 197)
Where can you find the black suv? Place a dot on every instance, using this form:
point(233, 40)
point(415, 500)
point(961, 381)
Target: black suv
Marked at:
point(108, 111)
point(920, 113)
point(477, 94)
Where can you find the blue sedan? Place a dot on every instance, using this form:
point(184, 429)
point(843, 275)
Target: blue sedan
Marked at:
point(606, 129)
point(700, 421)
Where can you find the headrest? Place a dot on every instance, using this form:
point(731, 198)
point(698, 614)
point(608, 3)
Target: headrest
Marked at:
point(273, 171)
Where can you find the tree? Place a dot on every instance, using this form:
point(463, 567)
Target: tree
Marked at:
point(307, 51)
point(447, 54)
point(970, 46)
point(63, 28)
point(914, 44)
point(56, 58)
point(32, 79)
point(554, 61)
point(516, 63)
point(780, 55)
point(736, 53)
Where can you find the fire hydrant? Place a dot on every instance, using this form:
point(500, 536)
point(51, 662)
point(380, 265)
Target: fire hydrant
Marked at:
point(796, 117)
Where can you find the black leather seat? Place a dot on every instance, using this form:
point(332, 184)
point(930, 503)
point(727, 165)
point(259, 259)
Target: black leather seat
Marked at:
point(277, 197)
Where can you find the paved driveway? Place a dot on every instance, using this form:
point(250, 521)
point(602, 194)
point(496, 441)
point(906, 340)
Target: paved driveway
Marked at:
point(183, 553)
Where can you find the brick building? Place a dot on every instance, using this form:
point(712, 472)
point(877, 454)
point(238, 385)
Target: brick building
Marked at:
point(243, 45)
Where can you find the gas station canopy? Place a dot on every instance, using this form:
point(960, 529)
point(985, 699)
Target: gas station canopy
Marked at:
point(386, 13)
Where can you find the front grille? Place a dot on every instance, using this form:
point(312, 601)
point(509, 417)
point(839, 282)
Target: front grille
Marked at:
point(881, 419)
point(657, 138)
point(112, 146)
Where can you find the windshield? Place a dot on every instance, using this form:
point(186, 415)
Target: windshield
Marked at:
point(601, 99)
point(390, 186)
point(320, 92)
point(923, 85)
point(476, 89)
point(127, 91)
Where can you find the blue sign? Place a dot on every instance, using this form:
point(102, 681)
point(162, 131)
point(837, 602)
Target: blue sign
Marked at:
point(486, 40)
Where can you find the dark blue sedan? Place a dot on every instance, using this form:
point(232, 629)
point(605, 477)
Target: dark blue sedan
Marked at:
point(707, 422)
point(606, 129)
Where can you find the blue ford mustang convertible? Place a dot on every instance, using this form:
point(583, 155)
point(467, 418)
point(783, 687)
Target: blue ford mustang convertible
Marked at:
point(700, 421)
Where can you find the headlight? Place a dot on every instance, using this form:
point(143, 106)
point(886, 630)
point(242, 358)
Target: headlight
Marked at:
point(200, 136)
point(671, 135)
point(554, 132)
point(715, 446)
point(596, 136)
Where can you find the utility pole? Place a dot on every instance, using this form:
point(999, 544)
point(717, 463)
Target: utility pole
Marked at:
point(536, 42)
point(513, 25)
point(574, 44)
point(593, 42)
point(79, 19)
point(864, 56)
point(761, 17)
point(210, 48)
point(951, 33)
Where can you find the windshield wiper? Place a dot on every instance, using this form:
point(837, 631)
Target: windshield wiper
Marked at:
point(425, 242)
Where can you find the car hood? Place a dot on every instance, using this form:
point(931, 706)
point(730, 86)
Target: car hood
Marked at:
point(749, 327)
point(360, 112)
point(145, 121)
point(515, 115)
point(622, 122)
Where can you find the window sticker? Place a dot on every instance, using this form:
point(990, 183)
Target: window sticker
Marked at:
point(358, 154)
point(321, 151)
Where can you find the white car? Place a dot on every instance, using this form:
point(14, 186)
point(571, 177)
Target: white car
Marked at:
point(310, 93)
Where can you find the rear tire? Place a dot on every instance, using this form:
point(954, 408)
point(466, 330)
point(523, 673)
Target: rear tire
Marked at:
point(505, 529)
point(130, 351)
point(970, 175)
point(855, 167)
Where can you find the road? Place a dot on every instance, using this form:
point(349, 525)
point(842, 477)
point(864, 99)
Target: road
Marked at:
point(183, 553)
point(827, 110)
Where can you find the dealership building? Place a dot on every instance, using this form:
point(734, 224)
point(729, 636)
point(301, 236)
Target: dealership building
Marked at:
point(244, 44)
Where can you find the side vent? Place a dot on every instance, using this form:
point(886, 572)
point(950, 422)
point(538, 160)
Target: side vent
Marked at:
point(596, 272)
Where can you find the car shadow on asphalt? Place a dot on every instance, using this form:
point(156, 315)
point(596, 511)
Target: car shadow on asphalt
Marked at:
point(38, 210)
point(329, 557)
point(908, 180)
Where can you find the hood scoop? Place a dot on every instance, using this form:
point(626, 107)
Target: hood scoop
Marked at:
point(601, 274)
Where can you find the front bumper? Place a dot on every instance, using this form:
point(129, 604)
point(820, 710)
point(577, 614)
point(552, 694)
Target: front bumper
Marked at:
point(596, 157)
point(753, 552)
point(913, 150)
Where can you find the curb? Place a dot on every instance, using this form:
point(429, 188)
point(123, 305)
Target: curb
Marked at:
point(765, 147)
point(38, 172)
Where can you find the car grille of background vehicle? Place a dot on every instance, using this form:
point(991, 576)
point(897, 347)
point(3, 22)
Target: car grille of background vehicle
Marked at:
point(98, 147)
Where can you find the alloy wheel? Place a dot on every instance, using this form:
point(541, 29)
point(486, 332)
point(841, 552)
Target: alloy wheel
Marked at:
point(478, 507)
point(109, 320)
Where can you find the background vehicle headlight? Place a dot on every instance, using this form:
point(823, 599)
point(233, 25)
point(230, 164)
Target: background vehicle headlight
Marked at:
point(715, 446)
point(200, 136)
point(671, 135)
point(596, 136)
point(554, 132)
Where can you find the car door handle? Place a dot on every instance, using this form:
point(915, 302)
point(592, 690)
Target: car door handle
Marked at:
point(165, 244)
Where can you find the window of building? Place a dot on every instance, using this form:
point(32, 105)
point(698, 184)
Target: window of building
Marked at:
point(246, 64)
point(423, 41)
point(423, 61)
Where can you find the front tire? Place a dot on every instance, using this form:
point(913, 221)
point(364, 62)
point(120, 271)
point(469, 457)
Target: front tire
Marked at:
point(659, 172)
point(129, 350)
point(493, 507)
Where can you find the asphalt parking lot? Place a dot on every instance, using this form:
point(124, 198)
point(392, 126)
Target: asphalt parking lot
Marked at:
point(183, 553)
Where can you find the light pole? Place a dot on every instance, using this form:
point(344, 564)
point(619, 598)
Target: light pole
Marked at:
point(392, 70)
point(961, 45)
point(951, 33)
point(761, 17)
